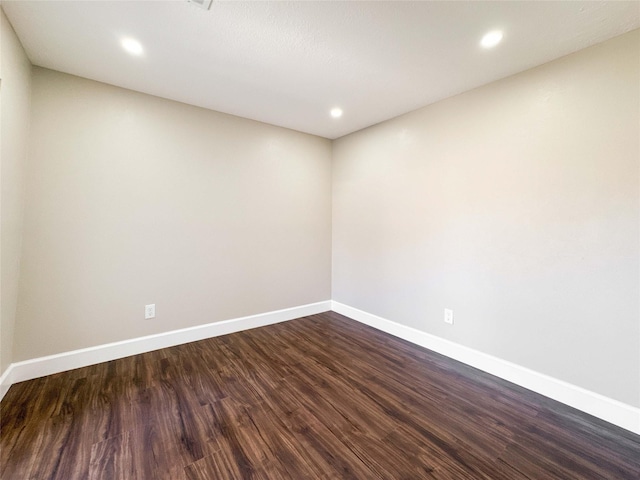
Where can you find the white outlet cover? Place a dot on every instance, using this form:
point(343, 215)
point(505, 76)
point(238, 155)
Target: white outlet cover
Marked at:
point(150, 311)
point(448, 316)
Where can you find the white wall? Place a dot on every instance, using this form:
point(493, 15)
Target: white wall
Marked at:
point(15, 93)
point(133, 199)
point(516, 205)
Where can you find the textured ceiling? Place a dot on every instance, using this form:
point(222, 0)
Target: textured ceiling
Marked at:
point(289, 63)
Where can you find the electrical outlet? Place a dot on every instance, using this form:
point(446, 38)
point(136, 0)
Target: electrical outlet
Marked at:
point(448, 316)
point(150, 311)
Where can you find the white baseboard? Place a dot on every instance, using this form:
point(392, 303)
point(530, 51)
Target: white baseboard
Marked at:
point(612, 411)
point(39, 367)
point(605, 408)
point(6, 380)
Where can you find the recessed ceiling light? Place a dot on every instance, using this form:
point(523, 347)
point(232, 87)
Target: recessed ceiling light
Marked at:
point(491, 39)
point(336, 112)
point(132, 46)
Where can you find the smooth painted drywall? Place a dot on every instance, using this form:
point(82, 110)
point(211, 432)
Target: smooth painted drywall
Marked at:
point(517, 206)
point(133, 200)
point(15, 94)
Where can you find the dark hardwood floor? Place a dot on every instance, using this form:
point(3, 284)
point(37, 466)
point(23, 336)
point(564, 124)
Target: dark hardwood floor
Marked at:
point(322, 397)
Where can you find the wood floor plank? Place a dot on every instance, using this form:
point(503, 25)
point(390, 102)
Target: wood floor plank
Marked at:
point(322, 397)
point(112, 459)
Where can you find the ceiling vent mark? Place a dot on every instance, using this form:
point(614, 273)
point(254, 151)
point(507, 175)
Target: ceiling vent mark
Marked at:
point(204, 4)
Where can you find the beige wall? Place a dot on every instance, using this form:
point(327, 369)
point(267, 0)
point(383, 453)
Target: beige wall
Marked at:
point(133, 199)
point(15, 93)
point(516, 205)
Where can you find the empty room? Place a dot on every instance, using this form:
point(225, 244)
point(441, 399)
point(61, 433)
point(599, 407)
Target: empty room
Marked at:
point(319, 240)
